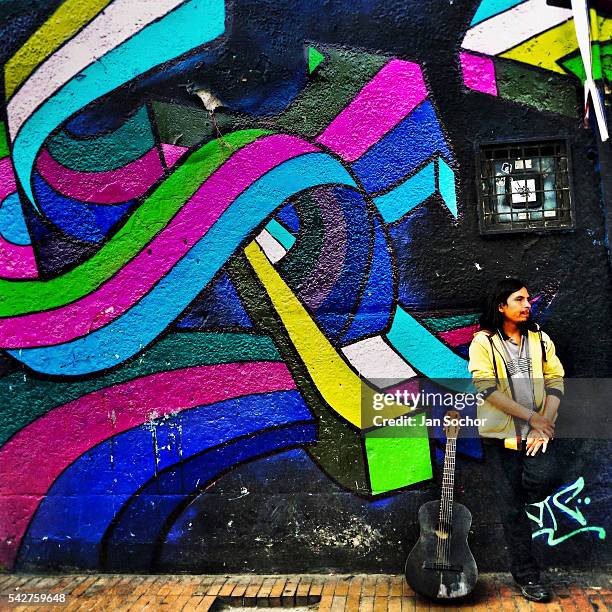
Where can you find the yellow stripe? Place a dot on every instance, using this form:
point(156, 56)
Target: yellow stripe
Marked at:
point(67, 20)
point(340, 387)
point(545, 49)
point(604, 28)
point(594, 21)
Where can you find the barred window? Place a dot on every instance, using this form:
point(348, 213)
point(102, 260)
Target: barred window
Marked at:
point(524, 187)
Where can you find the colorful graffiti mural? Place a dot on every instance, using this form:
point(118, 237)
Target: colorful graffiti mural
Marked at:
point(166, 319)
point(184, 292)
point(510, 43)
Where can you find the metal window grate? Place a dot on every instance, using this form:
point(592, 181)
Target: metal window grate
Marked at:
point(524, 187)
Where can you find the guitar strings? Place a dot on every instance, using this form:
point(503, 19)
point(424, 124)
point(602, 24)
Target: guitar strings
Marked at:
point(441, 513)
point(446, 503)
point(452, 494)
point(443, 502)
point(449, 500)
point(446, 507)
point(445, 511)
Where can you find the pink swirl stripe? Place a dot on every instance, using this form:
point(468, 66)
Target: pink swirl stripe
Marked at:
point(16, 261)
point(35, 456)
point(459, 336)
point(110, 187)
point(138, 276)
point(7, 178)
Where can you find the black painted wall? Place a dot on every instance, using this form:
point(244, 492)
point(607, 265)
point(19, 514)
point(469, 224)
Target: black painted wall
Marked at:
point(282, 513)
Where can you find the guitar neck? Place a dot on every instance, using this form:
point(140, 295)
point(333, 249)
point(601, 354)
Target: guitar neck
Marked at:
point(448, 483)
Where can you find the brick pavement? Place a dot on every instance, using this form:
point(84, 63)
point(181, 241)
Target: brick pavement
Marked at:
point(328, 593)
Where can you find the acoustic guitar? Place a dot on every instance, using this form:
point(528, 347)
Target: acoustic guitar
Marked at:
point(441, 565)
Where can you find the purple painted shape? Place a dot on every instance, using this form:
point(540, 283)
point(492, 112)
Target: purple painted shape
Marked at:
point(394, 91)
point(172, 153)
point(318, 285)
point(479, 73)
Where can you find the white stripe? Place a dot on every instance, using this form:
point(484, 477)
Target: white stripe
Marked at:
point(113, 26)
point(273, 249)
point(508, 29)
point(580, 11)
point(374, 359)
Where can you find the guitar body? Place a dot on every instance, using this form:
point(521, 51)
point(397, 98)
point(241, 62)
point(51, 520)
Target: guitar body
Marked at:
point(455, 573)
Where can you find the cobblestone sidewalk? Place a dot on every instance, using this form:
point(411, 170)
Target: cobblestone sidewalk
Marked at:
point(335, 593)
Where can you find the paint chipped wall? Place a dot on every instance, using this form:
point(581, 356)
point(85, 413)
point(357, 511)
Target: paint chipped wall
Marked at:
point(192, 304)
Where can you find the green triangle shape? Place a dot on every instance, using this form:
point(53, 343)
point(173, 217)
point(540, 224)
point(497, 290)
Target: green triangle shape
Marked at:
point(573, 65)
point(601, 63)
point(314, 59)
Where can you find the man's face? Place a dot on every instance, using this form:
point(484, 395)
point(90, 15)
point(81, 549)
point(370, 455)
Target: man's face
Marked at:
point(517, 307)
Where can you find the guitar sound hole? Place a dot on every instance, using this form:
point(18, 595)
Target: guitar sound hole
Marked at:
point(443, 530)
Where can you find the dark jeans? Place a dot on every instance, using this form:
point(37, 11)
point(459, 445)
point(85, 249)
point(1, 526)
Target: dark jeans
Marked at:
point(517, 479)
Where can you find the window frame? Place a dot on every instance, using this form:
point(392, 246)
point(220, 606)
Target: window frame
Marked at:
point(481, 198)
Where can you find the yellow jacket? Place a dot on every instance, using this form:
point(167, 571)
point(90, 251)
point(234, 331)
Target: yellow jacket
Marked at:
point(489, 372)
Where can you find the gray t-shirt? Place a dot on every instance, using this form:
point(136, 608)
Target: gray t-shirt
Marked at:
point(519, 367)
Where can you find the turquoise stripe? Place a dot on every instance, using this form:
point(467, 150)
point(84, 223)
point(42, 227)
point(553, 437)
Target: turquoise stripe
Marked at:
point(286, 238)
point(446, 180)
point(401, 200)
point(12, 222)
point(424, 352)
point(130, 333)
point(490, 8)
point(190, 25)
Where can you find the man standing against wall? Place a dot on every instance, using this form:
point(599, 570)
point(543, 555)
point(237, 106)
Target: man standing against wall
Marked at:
point(514, 365)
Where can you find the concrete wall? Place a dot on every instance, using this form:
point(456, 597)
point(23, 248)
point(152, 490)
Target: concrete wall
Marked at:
point(193, 302)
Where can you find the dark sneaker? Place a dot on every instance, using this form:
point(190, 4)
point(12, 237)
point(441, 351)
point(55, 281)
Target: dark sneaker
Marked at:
point(534, 591)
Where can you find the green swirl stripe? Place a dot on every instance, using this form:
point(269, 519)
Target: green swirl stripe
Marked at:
point(151, 217)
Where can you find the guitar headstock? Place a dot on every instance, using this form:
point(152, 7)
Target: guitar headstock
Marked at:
point(451, 424)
